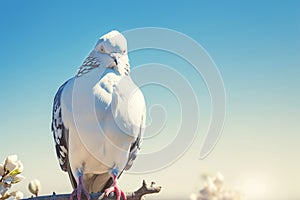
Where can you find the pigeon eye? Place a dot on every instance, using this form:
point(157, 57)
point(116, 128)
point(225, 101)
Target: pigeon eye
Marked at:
point(102, 49)
point(124, 51)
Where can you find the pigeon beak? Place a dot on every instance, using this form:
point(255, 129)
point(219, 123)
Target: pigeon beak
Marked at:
point(115, 58)
point(116, 61)
point(119, 61)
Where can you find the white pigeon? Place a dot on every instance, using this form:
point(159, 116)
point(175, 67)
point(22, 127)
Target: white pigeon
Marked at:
point(99, 119)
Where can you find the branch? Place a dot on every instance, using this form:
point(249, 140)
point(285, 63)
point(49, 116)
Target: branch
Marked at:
point(137, 195)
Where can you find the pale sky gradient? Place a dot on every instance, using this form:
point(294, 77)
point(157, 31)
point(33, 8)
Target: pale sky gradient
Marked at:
point(255, 44)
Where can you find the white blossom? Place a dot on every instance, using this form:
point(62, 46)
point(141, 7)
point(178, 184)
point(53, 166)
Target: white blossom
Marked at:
point(10, 171)
point(34, 187)
point(17, 194)
point(215, 189)
point(13, 165)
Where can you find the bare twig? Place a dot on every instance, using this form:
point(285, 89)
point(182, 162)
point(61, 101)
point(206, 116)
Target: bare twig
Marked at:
point(137, 195)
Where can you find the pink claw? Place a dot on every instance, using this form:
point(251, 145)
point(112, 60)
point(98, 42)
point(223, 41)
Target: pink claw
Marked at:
point(80, 188)
point(114, 188)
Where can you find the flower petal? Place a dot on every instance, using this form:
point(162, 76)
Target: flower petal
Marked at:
point(11, 166)
point(20, 166)
point(11, 159)
point(17, 178)
point(1, 170)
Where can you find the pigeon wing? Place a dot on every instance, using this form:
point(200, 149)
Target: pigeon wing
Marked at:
point(61, 135)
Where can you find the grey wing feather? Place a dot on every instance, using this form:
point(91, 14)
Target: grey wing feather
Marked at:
point(61, 135)
point(135, 147)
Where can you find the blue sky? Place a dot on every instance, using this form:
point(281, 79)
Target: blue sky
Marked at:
point(255, 44)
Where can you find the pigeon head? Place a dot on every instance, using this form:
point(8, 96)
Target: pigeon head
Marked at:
point(112, 42)
point(109, 52)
